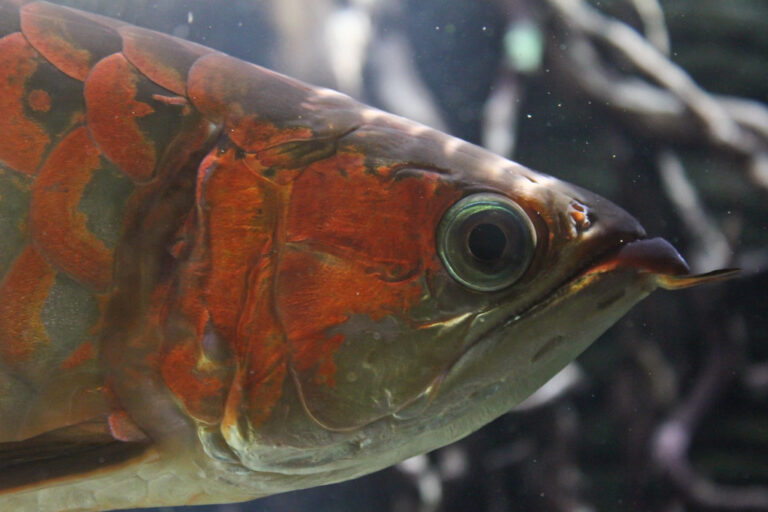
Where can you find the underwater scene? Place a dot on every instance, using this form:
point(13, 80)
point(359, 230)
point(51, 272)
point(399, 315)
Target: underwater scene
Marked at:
point(219, 284)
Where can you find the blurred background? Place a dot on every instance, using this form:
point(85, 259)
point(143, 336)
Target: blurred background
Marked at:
point(656, 104)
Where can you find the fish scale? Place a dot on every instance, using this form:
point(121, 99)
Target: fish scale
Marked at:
point(219, 283)
point(83, 157)
point(103, 115)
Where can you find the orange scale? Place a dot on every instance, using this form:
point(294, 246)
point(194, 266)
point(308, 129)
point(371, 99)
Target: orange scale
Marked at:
point(163, 59)
point(22, 140)
point(113, 112)
point(69, 39)
point(22, 297)
point(57, 226)
point(260, 108)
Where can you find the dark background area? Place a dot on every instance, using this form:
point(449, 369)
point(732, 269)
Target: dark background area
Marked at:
point(668, 411)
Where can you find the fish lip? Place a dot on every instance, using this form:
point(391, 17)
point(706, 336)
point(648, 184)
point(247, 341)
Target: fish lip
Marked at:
point(646, 255)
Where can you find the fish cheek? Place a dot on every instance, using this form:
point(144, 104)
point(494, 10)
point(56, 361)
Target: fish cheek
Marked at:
point(350, 277)
point(353, 354)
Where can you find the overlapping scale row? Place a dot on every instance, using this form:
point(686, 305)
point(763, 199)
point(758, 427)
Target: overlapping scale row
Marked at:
point(98, 121)
point(93, 117)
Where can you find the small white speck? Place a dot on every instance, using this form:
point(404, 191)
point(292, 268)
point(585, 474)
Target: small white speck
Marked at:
point(529, 116)
point(190, 17)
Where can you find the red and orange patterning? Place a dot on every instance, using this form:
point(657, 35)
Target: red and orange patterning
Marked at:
point(217, 282)
point(104, 126)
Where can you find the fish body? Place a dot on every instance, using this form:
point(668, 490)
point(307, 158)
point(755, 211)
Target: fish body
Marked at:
point(219, 283)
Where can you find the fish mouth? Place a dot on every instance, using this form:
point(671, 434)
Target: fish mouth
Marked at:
point(651, 255)
point(654, 261)
point(647, 262)
point(657, 257)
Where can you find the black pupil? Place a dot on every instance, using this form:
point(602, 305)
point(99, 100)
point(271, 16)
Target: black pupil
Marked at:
point(487, 242)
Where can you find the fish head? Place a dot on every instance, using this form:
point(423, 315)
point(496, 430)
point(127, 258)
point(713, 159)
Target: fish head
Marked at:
point(427, 290)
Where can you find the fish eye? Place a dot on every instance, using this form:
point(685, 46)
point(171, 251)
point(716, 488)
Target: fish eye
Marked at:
point(486, 241)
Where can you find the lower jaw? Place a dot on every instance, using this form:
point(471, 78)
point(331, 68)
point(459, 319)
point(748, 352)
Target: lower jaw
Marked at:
point(495, 374)
point(513, 361)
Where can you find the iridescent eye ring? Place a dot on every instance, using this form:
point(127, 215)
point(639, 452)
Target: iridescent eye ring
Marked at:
point(486, 242)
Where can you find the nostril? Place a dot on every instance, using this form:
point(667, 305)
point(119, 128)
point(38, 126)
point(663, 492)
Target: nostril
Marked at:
point(581, 217)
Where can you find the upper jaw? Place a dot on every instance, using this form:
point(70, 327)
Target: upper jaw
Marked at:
point(651, 255)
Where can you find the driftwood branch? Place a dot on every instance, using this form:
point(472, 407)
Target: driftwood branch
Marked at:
point(673, 437)
point(660, 96)
point(711, 247)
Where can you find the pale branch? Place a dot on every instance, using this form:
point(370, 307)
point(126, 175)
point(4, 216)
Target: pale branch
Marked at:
point(661, 97)
point(654, 27)
point(673, 437)
point(711, 247)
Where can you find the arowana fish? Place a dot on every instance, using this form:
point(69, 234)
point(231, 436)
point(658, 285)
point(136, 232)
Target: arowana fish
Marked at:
point(219, 283)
